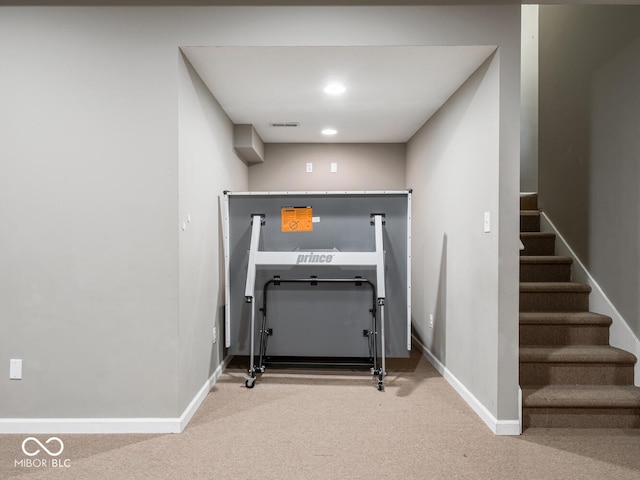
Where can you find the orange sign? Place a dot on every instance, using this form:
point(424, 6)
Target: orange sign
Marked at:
point(297, 219)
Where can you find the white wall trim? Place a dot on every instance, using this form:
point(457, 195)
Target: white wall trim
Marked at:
point(192, 408)
point(498, 427)
point(112, 425)
point(88, 425)
point(621, 335)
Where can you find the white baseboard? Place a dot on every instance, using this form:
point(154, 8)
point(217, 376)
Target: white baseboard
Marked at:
point(498, 427)
point(112, 425)
point(70, 426)
point(621, 335)
point(192, 408)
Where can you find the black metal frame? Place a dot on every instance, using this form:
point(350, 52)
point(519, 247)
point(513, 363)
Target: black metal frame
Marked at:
point(326, 362)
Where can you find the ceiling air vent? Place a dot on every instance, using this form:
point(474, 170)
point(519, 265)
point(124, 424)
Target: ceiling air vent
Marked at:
point(284, 124)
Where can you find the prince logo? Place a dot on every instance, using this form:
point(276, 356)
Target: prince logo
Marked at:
point(314, 258)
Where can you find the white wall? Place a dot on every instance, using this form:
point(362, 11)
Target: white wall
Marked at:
point(359, 167)
point(91, 178)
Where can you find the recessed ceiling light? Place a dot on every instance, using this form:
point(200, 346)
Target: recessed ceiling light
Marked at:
point(335, 89)
point(329, 131)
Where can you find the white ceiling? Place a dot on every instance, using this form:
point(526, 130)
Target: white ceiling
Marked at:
point(391, 90)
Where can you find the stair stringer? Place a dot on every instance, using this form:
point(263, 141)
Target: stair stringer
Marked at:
point(621, 335)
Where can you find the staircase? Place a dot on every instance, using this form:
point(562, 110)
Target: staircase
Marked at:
point(569, 374)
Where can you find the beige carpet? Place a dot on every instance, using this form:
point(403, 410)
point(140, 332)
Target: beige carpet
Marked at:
point(337, 425)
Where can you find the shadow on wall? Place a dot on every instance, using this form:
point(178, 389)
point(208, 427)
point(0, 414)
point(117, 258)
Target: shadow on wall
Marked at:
point(218, 349)
point(439, 344)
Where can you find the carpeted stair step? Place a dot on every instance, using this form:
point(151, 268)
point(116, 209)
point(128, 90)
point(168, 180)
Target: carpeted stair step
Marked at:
point(581, 406)
point(554, 297)
point(538, 243)
point(545, 268)
point(529, 221)
point(564, 328)
point(576, 365)
point(570, 376)
point(528, 201)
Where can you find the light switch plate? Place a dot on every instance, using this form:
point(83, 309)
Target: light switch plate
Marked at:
point(15, 369)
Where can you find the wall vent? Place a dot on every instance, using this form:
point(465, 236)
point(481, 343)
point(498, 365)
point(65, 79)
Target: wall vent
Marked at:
point(284, 124)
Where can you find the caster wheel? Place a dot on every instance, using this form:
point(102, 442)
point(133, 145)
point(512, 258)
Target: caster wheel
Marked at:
point(249, 382)
point(380, 386)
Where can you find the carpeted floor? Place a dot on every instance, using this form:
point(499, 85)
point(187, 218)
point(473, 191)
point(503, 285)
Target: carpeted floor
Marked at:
point(337, 425)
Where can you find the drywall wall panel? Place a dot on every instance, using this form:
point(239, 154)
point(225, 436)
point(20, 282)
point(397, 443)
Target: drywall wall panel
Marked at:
point(589, 141)
point(575, 42)
point(455, 156)
point(89, 182)
point(208, 165)
point(529, 100)
point(614, 196)
point(357, 167)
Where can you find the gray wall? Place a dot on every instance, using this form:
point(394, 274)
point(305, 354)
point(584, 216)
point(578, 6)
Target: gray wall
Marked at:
point(457, 156)
point(208, 166)
point(88, 184)
point(101, 288)
point(360, 167)
point(529, 100)
point(589, 147)
point(103, 295)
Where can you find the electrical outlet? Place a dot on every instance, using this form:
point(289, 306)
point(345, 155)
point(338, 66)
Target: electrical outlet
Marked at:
point(431, 320)
point(309, 167)
point(215, 334)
